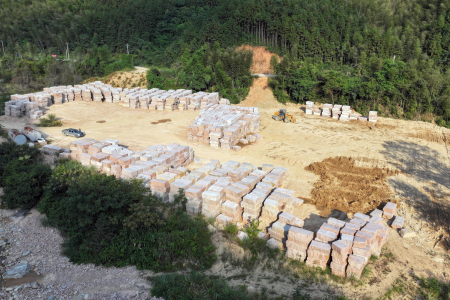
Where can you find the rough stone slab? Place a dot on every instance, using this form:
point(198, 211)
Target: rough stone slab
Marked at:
point(407, 233)
point(320, 247)
point(352, 226)
point(376, 213)
point(330, 227)
point(348, 231)
point(358, 221)
point(336, 222)
point(356, 261)
point(390, 208)
point(300, 234)
point(361, 216)
point(360, 242)
point(274, 244)
point(326, 235)
point(398, 222)
point(341, 247)
point(348, 239)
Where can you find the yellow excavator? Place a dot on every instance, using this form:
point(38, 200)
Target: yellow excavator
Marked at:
point(282, 115)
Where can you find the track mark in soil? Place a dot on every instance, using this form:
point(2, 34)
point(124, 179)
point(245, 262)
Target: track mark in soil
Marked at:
point(162, 121)
point(347, 187)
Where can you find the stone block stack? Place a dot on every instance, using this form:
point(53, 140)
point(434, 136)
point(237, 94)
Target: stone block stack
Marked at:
point(373, 116)
point(326, 110)
point(339, 257)
point(279, 232)
point(389, 210)
point(318, 254)
point(232, 210)
point(355, 266)
point(224, 125)
point(398, 222)
point(298, 242)
point(86, 94)
point(212, 203)
point(309, 107)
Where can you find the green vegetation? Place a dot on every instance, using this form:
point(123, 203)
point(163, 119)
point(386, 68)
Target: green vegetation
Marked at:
point(105, 220)
point(197, 286)
point(49, 121)
point(23, 175)
point(334, 51)
point(209, 68)
point(117, 223)
point(433, 289)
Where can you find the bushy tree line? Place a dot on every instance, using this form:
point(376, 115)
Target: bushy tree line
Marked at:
point(393, 87)
point(344, 44)
point(209, 68)
point(104, 220)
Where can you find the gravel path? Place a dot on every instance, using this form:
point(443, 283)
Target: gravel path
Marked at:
point(52, 276)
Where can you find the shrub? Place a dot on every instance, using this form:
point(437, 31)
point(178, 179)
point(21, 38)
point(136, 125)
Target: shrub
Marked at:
point(49, 121)
point(10, 151)
point(231, 229)
point(22, 175)
point(24, 188)
point(197, 286)
point(117, 223)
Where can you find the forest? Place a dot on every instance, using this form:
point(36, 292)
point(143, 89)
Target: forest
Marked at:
point(392, 56)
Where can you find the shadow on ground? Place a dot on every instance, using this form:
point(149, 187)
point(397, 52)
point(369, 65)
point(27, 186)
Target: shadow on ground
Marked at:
point(426, 183)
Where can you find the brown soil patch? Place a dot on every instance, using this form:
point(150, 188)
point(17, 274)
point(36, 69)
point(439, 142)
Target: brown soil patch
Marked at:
point(124, 79)
point(429, 136)
point(261, 59)
point(101, 121)
point(260, 95)
point(347, 187)
point(162, 121)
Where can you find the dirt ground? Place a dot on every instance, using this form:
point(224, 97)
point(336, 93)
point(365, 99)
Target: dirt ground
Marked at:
point(261, 59)
point(349, 188)
point(416, 150)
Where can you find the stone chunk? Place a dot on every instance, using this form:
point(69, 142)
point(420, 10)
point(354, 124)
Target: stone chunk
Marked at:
point(274, 244)
point(358, 221)
point(398, 222)
point(376, 213)
point(348, 239)
point(300, 234)
point(18, 271)
point(329, 227)
point(341, 247)
point(407, 233)
point(361, 216)
point(242, 235)
point(390, 208)
point(320, 247)
point(326, 236)
point(336, 222)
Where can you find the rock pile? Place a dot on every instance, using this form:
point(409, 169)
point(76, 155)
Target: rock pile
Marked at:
point(349, 244)
point(224, 126)
point(164, 163)
point(338, 112)
point(154, 99)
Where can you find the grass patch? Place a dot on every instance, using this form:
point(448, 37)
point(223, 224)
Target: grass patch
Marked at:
point(397, 288)
point(50, 121)
point(433, 289)
point(197, 286)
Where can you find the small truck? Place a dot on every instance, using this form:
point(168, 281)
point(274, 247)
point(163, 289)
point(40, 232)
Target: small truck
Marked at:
point(73, 132)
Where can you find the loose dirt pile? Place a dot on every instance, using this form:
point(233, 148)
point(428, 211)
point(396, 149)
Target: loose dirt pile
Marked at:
point(346, 187)
point(261, 59)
